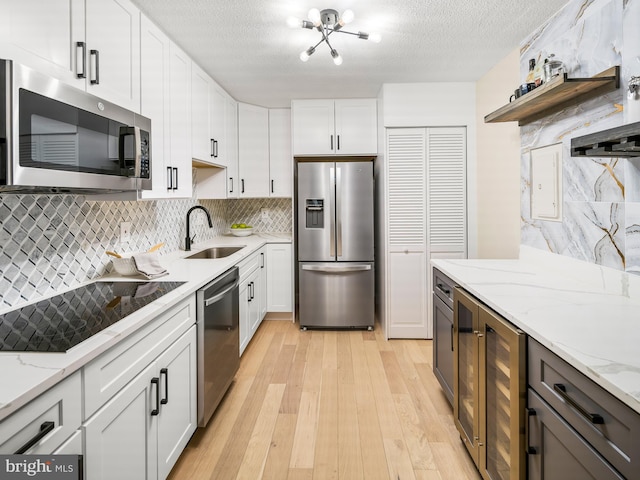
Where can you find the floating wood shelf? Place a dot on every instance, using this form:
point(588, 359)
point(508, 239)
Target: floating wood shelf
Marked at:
point(551, 97)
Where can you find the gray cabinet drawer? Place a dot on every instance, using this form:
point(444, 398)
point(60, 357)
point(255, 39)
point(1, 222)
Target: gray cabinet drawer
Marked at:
point(609, 425)
point(557, 452)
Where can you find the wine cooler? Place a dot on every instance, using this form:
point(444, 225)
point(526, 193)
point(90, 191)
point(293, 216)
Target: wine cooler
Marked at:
point(489, 388)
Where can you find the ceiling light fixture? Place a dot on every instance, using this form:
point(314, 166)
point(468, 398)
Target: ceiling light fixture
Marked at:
point(328, 22)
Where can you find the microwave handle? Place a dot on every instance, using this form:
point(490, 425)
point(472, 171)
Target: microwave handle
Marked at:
point(125, 132)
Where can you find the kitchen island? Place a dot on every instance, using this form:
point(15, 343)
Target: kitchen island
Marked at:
point(586, 314)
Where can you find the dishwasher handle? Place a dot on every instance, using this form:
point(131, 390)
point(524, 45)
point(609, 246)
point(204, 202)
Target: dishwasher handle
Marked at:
point(217, 297)
point(336, 269)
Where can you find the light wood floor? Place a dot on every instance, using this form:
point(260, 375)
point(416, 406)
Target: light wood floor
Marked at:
point(329, 405)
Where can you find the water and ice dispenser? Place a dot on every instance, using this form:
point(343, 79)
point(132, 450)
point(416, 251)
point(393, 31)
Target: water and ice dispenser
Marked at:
point(315, 213)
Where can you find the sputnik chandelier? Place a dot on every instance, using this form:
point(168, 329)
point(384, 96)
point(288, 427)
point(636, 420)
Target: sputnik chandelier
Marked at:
point(327, 22)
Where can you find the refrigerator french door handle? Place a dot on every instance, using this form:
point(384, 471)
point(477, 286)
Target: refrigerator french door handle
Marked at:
point(339, 211)
point(332, 218)
point(336, 269)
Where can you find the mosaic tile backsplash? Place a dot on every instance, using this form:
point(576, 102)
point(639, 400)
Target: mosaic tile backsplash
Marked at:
point(53, 242)
point(601, 196)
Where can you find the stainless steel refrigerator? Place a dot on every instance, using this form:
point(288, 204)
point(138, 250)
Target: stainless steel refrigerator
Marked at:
point(335, 244)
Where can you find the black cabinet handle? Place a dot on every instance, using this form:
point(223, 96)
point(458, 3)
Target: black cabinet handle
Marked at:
point(252, 290)
point(528, 448)
point(452, 337)
point(96, 55)
point(442, 289)
point(175, 178)
point(338, 142)
point(271, 186)
point(242, 182)
point(45, 428)
point(169, 178)
point(262, 258)
point(231, 178)
point(594, 418)
point(165, 372)
point(83, 48)
point(331, 142)
point(212, 154)
point(215, 149)
point(249, 292)
point(156, 381)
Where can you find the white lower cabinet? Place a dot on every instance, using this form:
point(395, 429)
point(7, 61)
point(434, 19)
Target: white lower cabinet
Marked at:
point(140, 432)
point(253, 296)
point(279, 277)
point(121, 439)
point(44, 424)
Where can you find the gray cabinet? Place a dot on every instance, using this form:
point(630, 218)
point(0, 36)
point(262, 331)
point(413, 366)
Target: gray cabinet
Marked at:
point(556, 451)
point(601, 433)
point(443, 332)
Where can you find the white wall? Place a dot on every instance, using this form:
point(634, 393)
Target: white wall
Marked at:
point(498, 164)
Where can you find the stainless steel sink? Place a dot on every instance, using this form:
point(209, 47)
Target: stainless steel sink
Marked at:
point(216, 252)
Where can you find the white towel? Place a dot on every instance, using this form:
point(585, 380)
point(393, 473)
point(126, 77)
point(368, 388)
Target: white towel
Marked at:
point(148, 265)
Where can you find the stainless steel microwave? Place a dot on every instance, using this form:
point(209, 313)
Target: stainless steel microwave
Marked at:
point(55, 138)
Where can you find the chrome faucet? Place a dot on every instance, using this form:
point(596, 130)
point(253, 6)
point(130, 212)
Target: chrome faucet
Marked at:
point(189, 238)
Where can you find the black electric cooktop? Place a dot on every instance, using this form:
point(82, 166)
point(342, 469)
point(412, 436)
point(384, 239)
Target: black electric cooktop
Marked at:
point(61, 322)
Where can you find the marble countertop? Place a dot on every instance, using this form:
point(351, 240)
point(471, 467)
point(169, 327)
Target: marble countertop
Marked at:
point(24, 376)
point(586, 314)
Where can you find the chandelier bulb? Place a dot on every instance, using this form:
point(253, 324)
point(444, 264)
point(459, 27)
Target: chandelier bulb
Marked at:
point(294, 22)
point(304, 56)
point(375, 37)
point(347, 17)
point(337, 59)
point(314, 16)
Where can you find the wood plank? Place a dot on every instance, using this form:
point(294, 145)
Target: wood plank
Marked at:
point(279, 455)
point(313, 370)
point(304, 438)
point(283, 364)
point(415, 436)
point(300, 474)
point(393, 372)
point(255, 455)
point(374, 461)
point(325, 463)
point(349, 449)
point(295, 381)
point(398, 459)
point(345, 361)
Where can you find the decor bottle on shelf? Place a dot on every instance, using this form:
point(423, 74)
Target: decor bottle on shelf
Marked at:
point(532, 65)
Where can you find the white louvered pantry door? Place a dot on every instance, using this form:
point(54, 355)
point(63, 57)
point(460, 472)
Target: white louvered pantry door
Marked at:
point(426, 218)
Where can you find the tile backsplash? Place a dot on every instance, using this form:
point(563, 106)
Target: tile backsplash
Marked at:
point(52, 242)
point(601, 209)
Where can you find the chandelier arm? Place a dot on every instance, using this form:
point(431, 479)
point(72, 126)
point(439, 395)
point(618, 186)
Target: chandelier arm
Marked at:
point(357, 34)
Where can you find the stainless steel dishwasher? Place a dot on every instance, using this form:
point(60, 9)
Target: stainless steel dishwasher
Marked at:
point(218, 341)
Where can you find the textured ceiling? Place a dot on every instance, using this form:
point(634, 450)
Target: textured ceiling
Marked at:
point(247, 47)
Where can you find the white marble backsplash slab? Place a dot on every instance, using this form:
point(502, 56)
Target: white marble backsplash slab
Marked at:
point(600, 212)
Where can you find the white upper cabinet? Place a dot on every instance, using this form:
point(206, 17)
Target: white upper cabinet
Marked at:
point(280, 160)
point(180, 182)
point(201, 141)
point(334, 127)
point(155, 103)
point(253, 151)
point(45, 41)
point(92, 44)
point(231, 147)
point(217, 123)
point(113, 51)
